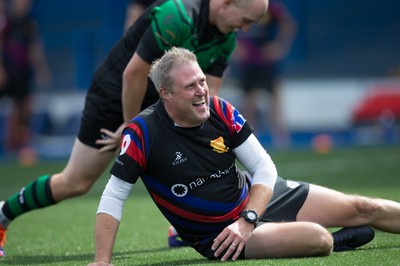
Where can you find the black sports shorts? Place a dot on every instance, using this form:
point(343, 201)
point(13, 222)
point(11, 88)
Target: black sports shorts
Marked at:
point(103, 109)
point(289, 196)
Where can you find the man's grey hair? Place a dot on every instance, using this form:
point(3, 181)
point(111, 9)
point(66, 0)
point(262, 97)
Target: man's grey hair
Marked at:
point(160, 68)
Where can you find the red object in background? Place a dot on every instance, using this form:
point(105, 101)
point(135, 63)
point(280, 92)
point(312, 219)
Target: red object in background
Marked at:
point(380, 101)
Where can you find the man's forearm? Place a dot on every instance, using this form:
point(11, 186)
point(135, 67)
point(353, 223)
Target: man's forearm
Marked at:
point(105, 233)
point(260, 195)
point(132, 97)
point(134, 86)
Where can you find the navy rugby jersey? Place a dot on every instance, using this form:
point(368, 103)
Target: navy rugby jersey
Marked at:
point(190, 173)
point(167, 23)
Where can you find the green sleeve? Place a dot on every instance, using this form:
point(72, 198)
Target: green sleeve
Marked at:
point(171, 25)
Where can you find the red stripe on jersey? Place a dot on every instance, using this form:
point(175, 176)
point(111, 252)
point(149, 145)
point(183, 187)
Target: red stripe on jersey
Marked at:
point(135, 152)
point(232, 215)
point(227, 118)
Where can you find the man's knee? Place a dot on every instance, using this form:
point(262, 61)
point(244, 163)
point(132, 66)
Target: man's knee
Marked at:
point(367, 207)
point(284, 240)
point(70, 185)
point(81, 187)
point(323, 242)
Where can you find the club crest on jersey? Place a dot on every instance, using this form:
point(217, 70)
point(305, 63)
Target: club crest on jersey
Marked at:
point(179, 158)
point(218, 145)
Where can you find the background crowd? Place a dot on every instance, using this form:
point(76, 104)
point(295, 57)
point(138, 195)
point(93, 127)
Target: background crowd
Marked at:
point(328, 56)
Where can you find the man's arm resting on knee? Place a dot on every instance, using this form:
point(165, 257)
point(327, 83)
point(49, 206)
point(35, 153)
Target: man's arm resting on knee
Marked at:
point(263, 171)
point(235, 236)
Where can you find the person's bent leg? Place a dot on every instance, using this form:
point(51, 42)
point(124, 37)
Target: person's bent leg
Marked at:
point(331, 208)
point(285, 240)
point(84, 167)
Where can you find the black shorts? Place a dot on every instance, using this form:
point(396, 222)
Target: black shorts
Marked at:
point(289, 196)
point(103, 109)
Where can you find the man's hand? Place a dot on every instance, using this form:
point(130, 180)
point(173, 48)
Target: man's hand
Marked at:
point(233, 238)
point(111, 140)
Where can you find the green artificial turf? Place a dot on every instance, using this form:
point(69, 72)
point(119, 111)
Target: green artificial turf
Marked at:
point(63, 234)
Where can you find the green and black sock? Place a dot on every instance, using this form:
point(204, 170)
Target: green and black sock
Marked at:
point(37, 194)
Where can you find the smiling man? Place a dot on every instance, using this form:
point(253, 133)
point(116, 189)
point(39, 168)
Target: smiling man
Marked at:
point(185, 148)
point(120, 89)
point(187, 104)
point(205, 133)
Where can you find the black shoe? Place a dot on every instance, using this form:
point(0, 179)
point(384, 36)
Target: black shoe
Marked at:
point(350, 238)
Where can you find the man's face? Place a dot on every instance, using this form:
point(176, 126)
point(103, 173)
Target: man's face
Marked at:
point(188, 103)
point(240, 17)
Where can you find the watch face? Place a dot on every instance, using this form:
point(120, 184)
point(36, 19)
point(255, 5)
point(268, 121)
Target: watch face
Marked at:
point(252, 216)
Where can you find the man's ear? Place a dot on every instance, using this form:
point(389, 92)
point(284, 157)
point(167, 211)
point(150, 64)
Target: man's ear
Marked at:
point(164, 94)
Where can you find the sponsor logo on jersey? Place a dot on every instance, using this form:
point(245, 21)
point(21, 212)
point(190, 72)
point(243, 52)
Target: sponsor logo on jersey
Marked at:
point(179, 190)
point(178, 158)
point(218, 145)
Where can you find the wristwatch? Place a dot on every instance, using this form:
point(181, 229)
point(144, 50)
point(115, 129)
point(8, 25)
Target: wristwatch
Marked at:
point(250, 216)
